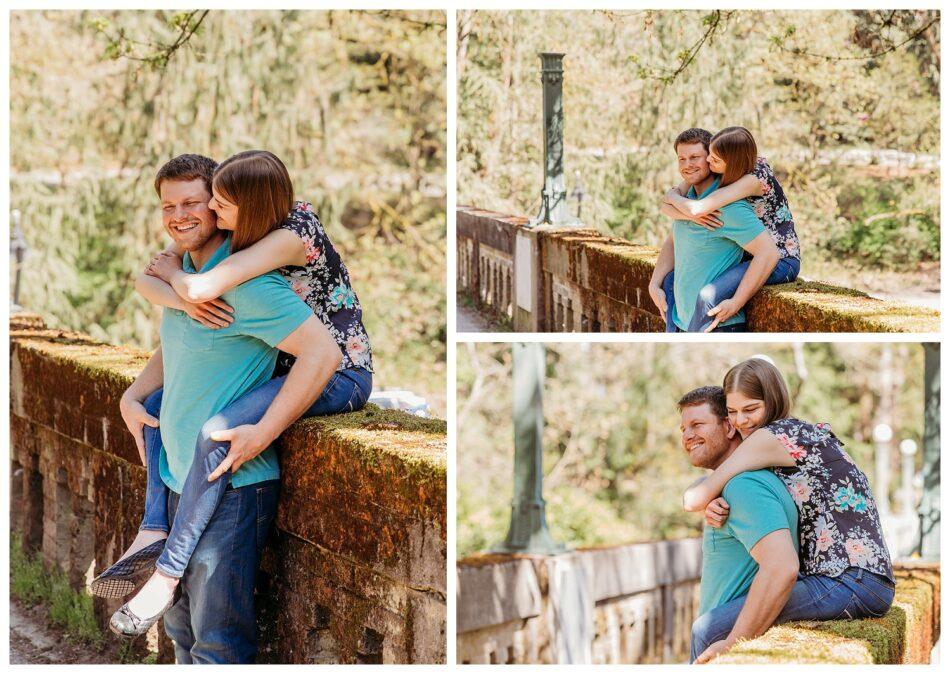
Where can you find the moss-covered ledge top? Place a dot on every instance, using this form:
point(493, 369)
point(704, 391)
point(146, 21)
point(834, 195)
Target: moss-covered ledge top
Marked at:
point(418, 443)
point(904, 635)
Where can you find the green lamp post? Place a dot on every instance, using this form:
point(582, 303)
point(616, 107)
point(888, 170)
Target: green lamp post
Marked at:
point(554, 207)
point(528, 532)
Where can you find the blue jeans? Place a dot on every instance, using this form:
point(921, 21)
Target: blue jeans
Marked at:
point(346, 391)
point(856, 593)
point(722, 288)
point(214, 622)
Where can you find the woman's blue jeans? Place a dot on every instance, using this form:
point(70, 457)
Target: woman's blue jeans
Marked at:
point(346, 391)
point(722, 288)
point(856, 593)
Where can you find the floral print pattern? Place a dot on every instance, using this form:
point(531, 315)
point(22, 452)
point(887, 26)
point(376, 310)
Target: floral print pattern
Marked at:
point(772, 209)
point(324, 284)
point(838, 523)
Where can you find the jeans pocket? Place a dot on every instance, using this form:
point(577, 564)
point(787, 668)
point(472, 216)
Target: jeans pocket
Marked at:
point(851, 611)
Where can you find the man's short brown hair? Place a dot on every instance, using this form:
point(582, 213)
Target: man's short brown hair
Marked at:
point(186, 167)
point(713, 396)
point(691, 136)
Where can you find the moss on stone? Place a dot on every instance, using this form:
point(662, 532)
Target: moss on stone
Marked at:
point(903, 635)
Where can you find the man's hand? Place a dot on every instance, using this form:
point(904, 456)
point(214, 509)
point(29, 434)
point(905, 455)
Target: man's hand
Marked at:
point(723, 312)
point(659, 299)
point(136, 418)
point(715, 648)
point(214, 314)
point(717, 512)
point(164, 266)
point(247, 441)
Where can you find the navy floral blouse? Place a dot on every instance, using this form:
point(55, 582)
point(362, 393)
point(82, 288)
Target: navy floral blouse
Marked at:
point(838, 523)
point(324, 284)
point(772, 209)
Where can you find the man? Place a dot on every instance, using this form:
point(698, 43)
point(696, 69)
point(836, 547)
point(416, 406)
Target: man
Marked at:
point(203, 371)
point(700, 255)
point(755, 553)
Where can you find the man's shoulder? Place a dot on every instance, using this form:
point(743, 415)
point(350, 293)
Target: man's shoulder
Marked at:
point(752, 482)
point(738, 207)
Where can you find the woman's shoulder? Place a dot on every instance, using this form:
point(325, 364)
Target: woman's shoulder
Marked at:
point(303, 221)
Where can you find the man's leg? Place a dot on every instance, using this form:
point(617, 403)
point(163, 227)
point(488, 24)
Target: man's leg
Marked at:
point(178, 617)
point(220, 577)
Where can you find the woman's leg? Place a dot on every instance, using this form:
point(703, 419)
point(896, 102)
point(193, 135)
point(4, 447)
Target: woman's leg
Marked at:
point(854, 594)
point(725, 286)
point(346, 391)
point(670, 301)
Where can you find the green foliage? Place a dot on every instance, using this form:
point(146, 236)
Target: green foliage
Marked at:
point(614, 469)
point(635, 79)
point(352, 102)
point(32, 583)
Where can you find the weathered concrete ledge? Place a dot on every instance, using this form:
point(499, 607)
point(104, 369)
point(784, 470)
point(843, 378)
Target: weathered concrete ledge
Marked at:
point(609, 605)
point(357, 568)
point(582, 280)
point(905, 635)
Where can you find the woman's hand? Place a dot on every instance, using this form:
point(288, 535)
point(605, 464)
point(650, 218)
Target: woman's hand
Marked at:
point(710, 221)
point(723, 312)
point(717, 512)
point(164, 266)
point(247, 441)
point(136, 418)
point(214, 314)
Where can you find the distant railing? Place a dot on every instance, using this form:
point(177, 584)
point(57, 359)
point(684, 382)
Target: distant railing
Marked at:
point(624, 604)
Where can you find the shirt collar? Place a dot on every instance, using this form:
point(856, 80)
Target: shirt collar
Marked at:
point(217, 256)
point(692, 190)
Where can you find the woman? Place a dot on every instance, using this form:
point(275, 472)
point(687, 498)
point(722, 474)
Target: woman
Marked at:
point(845, 567)
point(248, 190)
point(744, 175)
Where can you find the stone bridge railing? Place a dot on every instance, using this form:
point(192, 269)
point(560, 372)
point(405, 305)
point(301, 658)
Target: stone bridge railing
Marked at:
point(625, 604)
point(578, 280)
point(356, 570)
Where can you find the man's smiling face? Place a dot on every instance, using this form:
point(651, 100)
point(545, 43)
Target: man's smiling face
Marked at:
point(705, 437)
point(693, 162)
point(185, 213)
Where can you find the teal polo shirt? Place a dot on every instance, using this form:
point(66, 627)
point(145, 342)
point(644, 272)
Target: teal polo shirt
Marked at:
point(701, 256)
point(206, 370)
point(759, 504)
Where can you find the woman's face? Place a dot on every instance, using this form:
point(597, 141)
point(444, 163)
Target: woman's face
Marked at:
point(716, 164)
point(227, 212)
point(746, 414)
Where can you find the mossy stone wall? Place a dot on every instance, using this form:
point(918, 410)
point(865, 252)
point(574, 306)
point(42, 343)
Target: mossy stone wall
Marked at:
point(607, 279)
point(356, 571)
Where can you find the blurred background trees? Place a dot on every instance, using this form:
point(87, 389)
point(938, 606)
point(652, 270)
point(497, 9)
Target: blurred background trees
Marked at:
point(353, 102)
point(832, 97)
point(614, 469)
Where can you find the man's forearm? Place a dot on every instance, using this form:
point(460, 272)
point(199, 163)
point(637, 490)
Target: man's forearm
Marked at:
point(150, 379)
point(305, 382)
point(767, 597)
point(755, 277)
point(664, 262)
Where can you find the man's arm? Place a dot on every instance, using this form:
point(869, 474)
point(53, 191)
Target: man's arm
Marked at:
point(664, 265)
point(130, 405)
point(770, 589)
point(318, 357)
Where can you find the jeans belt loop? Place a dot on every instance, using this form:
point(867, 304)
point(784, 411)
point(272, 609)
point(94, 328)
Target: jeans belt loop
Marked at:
point(859, 575)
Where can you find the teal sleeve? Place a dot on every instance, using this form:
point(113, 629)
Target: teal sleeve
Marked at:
point(739, 222)
point(754, 509)
point(268, 309)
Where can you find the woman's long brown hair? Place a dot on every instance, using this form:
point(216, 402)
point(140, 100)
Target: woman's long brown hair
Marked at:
point(257, 183)
point(735, 146)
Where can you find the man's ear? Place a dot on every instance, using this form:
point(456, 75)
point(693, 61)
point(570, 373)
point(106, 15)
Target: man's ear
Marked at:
point(730, 429)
